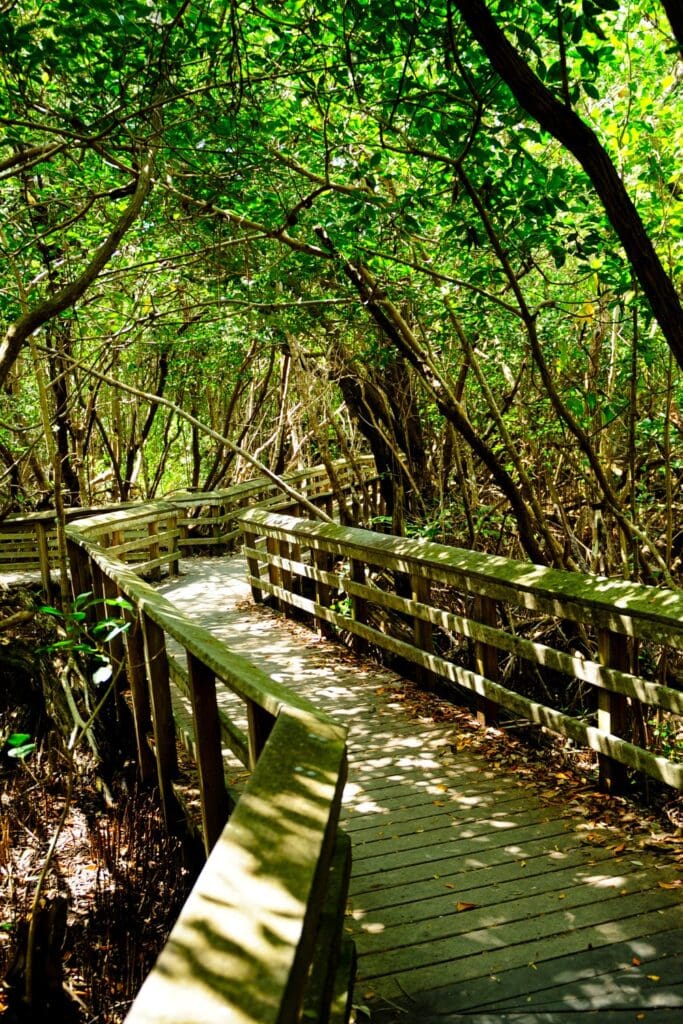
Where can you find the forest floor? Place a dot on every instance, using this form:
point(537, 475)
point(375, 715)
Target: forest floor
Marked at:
point(115, 882)
point(119, 880)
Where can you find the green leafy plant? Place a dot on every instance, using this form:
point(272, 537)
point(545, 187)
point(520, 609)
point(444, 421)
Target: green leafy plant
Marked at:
point(20, 745)
point(81, 638)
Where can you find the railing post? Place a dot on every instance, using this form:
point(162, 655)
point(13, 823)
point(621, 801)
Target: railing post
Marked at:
point(117, 651)
point(284, 551)
point(153, 531)
point(486, 658)
point(44, 556)
point(183, 533)
point(156, 662)
point(274, 574)
point(359, 606)
point(612, 709)
point(321, 561)
point(80, 574)
point(207, 734)
point(215, 529)
point(172, 534)
point(94, 611)
point(260, 725)
point(139, 689)
point(422, 631)
point(253, 565)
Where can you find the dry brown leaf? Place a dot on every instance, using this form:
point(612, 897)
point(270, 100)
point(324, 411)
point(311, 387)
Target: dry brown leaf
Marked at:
point(461, 906)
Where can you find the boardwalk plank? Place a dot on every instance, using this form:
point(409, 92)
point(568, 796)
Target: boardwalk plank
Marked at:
point(557, 923)
point(479, 955)
point(578, 982)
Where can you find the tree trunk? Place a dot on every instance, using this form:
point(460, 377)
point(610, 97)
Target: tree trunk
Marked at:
point(567, 127)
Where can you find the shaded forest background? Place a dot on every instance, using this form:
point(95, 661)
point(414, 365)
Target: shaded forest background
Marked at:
point(446, 232)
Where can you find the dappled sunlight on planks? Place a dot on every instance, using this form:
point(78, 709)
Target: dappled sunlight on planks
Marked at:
point(468, 893)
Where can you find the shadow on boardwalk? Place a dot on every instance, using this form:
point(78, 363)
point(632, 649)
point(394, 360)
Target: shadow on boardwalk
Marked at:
point(471, 897)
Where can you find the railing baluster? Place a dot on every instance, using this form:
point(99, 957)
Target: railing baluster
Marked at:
point(139, 689)
point(153, 531)
point(486, 658)
point(284, 551)
point(173, 548)
point(260, 725)
point(323, 592)
point(78, 566)
point(165, 753)
point(612, 709)
point(44, 556)
point(359, 606)
point(274, 574)
point(207, 734)
point(253, 565)
point(422, 631)
point(117, 651)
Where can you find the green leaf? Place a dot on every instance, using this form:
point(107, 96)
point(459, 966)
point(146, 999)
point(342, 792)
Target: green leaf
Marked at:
point(49, 609)
point(20, 753)
point(119, 602)
point(18, 739)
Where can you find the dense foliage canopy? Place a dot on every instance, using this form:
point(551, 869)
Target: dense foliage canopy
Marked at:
point(446, 230)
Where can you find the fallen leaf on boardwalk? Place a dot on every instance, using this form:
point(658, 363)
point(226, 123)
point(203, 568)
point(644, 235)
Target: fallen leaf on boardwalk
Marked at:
point(441, 787)
point(439, 803)
point(671, 885)
point(449, 885)
point(620, 848)
point(593, 839)
point(636, 961)
point(461, 907)
point(653, 977)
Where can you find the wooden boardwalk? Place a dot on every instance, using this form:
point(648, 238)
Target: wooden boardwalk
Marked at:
point(471, 897)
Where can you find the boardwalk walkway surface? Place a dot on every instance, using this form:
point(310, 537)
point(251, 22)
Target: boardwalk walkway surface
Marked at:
point(472, 897)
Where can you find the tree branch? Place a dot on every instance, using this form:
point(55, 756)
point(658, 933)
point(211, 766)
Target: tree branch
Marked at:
point(575, 135)
point(27, 324)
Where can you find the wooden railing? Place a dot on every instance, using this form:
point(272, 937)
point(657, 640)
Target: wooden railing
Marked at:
point(206, 521)
point(260, 938)
point(458, 593)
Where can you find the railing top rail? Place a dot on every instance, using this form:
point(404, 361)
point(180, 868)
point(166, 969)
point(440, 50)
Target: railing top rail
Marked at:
point(629, 608)
point(241, 946)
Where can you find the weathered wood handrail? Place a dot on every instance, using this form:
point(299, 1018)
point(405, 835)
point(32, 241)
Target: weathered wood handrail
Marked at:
point(615, 609)
point(243, 944)
point(253, 942)
point(205, 520)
